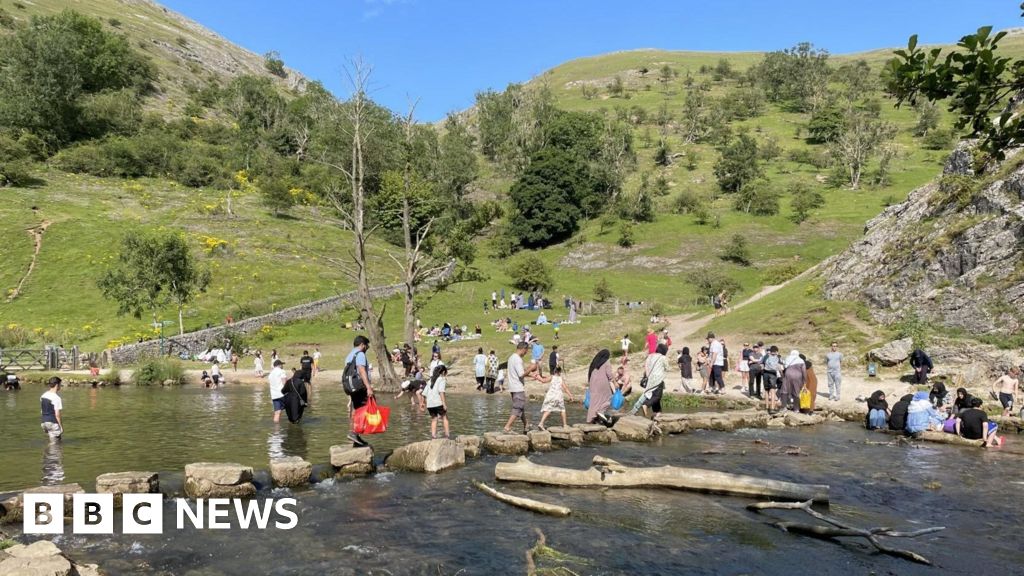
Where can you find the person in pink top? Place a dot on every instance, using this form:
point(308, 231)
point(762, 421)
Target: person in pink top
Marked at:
point(652, 341)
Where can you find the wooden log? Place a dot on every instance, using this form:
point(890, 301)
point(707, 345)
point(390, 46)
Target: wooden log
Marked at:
point(840, 528)
point(947, 438)
point(525, 503)
point(610, 474)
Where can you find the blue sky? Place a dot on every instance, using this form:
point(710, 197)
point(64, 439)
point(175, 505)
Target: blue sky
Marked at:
point(444, 51)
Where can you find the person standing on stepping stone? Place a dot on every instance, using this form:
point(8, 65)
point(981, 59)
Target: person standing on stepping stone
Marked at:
point(359, 398)
point(515, 375)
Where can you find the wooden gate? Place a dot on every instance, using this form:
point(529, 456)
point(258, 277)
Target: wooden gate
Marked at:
point(45, 359)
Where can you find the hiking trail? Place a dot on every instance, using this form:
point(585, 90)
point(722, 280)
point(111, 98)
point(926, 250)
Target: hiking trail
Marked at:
point(36, 232)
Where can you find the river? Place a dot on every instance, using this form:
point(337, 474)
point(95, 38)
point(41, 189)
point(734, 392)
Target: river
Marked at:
point(410, 523)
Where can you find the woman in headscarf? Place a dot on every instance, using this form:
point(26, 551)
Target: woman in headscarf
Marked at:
point(685, 362)
point(812, 382)
point(655, 368)
point(922, 416)
point(962, 402)
point(937, 396)
point(898, 415)
point(878, 411)
point(793, 379)
point(601, 386)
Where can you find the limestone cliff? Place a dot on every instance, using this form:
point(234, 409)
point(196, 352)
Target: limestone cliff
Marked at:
point(951, 253)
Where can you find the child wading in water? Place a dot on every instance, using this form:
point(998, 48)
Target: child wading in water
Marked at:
point(554, 400)
point(437, 406)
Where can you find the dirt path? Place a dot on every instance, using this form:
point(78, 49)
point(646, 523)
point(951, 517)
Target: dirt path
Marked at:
point(37, 238)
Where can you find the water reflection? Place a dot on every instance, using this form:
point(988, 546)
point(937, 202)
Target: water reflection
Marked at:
point(294, 443)
point(53, 463)
point(275, 442)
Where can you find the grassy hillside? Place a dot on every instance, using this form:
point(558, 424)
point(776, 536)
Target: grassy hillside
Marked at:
point(267, 262)
point(187, 54)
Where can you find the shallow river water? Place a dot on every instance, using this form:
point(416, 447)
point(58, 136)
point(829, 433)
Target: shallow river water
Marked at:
point(441, 525)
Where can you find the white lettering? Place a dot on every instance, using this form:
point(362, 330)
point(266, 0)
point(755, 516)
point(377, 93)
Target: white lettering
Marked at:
point(92, 513)
point(143, 513)
point(281, 507)
point(185, 510)
point(218, 508)
point(252, 510)
point(44, 513)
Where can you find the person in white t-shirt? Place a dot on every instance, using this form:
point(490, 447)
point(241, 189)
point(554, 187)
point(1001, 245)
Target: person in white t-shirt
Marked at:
point(480, 368)
point(51, 407)
point(437, 405)
point(625, 343)
point(276, 380)
point(316, 360)
point(516, 374)
point(717, 362)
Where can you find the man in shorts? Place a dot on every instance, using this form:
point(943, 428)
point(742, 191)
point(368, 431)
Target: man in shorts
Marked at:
point(360, 397)
point(1006, 386)
point(276, 380)
point(50, 409)
point(973, 424)
point(515, 375)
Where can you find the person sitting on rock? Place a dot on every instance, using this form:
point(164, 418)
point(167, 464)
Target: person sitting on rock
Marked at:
point(962, 401)
point(974, 425)
point(938, 393)
point(878, 411)
point(898, 415)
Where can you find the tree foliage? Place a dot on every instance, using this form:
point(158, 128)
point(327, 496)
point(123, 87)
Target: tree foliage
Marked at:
point(982, 86)
point(737, 251)
point(153, 269)
point(797, 76)
point(50, 66)
point(804, 200)
point(738, 163)
point(528, 272)
point(602, 290)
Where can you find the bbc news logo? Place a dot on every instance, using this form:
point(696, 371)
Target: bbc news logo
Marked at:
point(144, 513)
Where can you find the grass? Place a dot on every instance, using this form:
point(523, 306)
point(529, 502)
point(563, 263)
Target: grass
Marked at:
point(272, 262)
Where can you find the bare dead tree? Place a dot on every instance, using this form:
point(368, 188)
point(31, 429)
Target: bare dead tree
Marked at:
point(356, 111)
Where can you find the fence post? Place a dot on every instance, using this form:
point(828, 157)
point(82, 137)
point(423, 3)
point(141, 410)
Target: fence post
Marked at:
point(74, 361)
point(616, 306)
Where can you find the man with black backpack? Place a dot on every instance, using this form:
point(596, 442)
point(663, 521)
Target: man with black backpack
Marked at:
point(356, 381)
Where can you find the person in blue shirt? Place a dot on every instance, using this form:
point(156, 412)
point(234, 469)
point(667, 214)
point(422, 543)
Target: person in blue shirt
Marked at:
point(537, 353)
point(359, 398)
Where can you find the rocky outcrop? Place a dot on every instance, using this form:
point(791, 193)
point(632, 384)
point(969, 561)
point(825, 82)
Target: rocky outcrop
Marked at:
point(470, 445)
point(218, 480)
point(566, 436)
point(11, 508)
point(540, 440)
point(597, 433)
point(427, 456)
point(348, 460)
point(634, 428)
point(290, 471)
point(506, 444)
point(118, 483)
point(892, 353)
point(41, 558)
point(950, 254)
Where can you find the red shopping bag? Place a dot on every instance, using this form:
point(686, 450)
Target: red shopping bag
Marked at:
point(371, 419)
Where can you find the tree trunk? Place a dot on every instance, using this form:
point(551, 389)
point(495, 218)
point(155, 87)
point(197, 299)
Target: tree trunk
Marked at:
point(181, 322)
point(610, 474)
point(525, 503)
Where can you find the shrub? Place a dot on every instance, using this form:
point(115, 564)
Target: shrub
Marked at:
point(658, 309)
point(805, 199)
point(602, 291)
point(937, 139)
point(809, 157)
point(736, 251)
point(273, 63)
point(14, 336)
point(775, 275)
point(195, 169)
point(83, 159)
point(158, 371)
point(686, 202)
point(529, 272)
point(711, 281)
point(702, 214)
point(625, 234)
point(758, 198)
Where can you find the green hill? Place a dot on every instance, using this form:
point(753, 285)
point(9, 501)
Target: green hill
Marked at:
point(262, 262)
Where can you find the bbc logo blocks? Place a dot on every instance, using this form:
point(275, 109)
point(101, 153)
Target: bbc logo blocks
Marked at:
point(93, 513)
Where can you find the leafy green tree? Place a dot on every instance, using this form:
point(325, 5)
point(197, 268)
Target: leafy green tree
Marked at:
point(276, 195)
point(48, 66)
point(626, 235)
point(711, 281)
point(457, 163)
point(757, 197)
point(805, 199)
point(979, 82)
point(154, 269)
point(927, 118)
point(602, 290)
point(644, 210)
point(857, 80)
point(738, 163)
point(861, 139)
point(547, 199)
point(274, 64)
point(826, 124)
point(528, 272)
point(737, 251)
point(797, 76)
point(617, 88)
point(663, 153)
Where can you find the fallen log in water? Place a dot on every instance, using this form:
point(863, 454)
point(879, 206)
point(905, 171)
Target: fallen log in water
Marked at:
point(610, 474)
point(526, 503)
point(840, 528)
point(936, 437)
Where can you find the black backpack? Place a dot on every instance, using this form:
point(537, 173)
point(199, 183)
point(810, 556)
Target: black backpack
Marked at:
point(350, 379)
